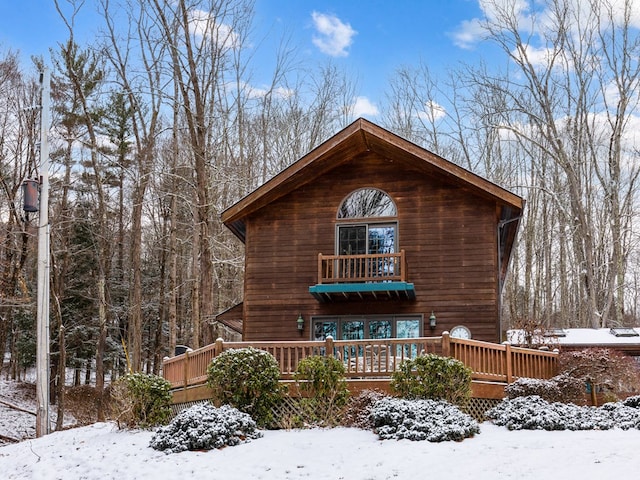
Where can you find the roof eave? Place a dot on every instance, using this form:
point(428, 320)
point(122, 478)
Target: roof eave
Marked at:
point(359, 137)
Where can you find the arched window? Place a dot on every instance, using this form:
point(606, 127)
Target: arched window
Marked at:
point(367, 203)
point(367, 223)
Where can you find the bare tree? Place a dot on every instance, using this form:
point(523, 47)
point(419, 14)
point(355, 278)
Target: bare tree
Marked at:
point(143, 98)
point(561, 106)
point(18, 152)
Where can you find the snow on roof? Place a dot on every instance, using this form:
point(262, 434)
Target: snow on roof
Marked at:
point(579, 336)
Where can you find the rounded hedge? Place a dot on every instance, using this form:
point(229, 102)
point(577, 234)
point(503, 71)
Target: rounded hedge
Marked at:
point(433, 377)
point(141, 400)
point(246, 379)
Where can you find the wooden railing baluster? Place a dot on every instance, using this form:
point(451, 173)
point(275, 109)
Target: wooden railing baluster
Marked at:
point(376, 357)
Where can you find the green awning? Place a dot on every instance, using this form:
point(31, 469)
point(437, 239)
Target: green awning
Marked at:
point(329, 292)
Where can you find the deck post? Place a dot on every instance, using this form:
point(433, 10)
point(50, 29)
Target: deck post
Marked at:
point(509, 365)
point(186, 369)
point(329, 346)
point(320, 271)
point(446, 344)
point(219, 347)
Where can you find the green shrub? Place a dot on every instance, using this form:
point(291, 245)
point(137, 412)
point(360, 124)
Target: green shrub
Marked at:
point(141, 400)
point(324, 388)
point(247, 379)
point(433, 377)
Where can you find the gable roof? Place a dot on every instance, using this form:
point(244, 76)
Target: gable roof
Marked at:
point(364, 136)
point(359, 137)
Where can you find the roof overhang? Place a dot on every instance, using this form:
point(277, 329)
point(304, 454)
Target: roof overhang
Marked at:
point(331, 292)
point(358, 138)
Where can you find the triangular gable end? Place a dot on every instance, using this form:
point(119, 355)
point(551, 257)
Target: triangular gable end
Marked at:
point(363, 136)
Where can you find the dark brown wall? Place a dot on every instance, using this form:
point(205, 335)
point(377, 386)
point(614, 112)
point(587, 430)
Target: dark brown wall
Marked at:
point(449, 238)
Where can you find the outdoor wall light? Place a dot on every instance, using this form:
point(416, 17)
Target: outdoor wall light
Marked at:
point(432, 321)
point(300, 323)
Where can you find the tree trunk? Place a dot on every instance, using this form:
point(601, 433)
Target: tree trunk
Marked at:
point(62, 359)
point(100, 349)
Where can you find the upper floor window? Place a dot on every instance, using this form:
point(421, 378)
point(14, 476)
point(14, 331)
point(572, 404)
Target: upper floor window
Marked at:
point(366, 223)
point(367, 203)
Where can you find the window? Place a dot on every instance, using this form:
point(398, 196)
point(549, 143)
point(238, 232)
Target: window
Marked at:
point(366, 223)
point(350, 327)
point(623, 332)
point(366, 203)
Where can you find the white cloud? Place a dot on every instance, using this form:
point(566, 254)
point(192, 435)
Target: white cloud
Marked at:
point(468, 34)
point(278, 92)
point(471, 32)
point(364, 107)
point(493, 9)
point(203, 25)
point(542, 57)
point(432, 112)
point(252, 91)
point(333, 36)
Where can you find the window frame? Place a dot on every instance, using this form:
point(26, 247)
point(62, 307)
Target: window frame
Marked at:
point(363, 189)
point(368, 226)
point(340, 320)
point(368, 222)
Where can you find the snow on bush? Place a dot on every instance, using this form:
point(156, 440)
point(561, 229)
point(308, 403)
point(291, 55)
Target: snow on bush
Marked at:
point(561, 388)
point(633, 402)
point(432, 420)
point(535, 413)
point(204, 427)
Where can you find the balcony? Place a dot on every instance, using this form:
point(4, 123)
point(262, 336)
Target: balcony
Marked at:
point(377, 276)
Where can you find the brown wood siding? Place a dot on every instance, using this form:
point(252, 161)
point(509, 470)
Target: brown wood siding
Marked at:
point(449, 237)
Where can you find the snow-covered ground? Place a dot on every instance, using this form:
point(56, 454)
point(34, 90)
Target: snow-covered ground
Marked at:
point(101, 451)
point(16, 423)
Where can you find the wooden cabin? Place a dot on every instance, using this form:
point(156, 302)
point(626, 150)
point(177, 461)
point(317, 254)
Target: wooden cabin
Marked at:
point(372, 236)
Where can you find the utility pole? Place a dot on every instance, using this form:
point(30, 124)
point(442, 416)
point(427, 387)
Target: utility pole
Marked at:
point(42, 350)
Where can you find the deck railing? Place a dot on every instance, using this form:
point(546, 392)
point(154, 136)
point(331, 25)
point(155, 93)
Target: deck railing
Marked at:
point(503, 363)
point(376, 358)
point(362, 268)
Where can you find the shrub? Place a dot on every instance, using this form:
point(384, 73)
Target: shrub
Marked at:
point(204, 427)
point(433, 377)
point(633, 402)
point(247, 379)
point(141, 400)
point(82, 401)
point(534, 413)
point(359, 408)
point(603, 369)
point(561, 388)
point(321, 380)
point(431, 420)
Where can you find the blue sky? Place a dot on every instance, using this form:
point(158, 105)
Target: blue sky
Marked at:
point(368, 38)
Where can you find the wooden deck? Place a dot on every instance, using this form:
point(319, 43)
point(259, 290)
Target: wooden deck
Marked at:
point(370, 363)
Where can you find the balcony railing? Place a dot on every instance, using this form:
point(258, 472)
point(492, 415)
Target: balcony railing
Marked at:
point(379, 267)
